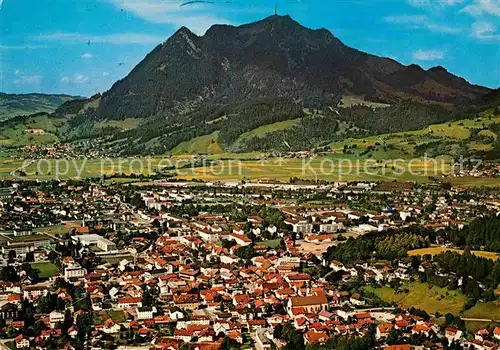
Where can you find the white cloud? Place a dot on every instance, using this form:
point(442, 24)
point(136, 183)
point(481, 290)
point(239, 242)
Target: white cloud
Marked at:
point(195, 16)
point(434, 3)
point(483, 7)
point(451, 2)
point(422, 22)
point(76, 79)
point(428, 55)
point(23, 79)
point(87, 56)
point(420, 3)
point(21, 47)
point(485, 31)
point(123, 38)
point(28, 79)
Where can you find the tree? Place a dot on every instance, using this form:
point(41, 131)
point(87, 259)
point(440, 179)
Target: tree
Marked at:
point(294, 338)
point(11, 256)
point(278, 331)
point(30, 257)
point(246, 252)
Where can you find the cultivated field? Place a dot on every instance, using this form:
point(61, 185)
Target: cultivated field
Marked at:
point(438, 250)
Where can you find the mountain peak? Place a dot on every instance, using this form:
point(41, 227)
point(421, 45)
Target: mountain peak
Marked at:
point(438, 69)
point(279, 18)
point(184, 30)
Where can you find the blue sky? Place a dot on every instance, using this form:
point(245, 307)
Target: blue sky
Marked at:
point(82, 47)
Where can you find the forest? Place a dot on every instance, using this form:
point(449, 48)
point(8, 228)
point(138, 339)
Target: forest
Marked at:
point(483, 233)
point(389, 245)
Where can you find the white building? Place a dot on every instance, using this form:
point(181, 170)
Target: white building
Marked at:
point(55, 317)
point(74, 271)
point(99, 241)
point(144, 313)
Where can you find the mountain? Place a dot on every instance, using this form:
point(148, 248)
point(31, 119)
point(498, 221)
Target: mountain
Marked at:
point(273, 57)
point(12, 105)
point(235, 79)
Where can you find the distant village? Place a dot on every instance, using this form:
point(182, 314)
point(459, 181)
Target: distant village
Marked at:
point(178, 265)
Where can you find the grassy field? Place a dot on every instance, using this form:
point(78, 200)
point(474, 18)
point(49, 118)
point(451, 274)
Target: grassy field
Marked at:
point(262, 131)
point(207, 144)
point(474, 181)
point(438, 250)
point(126, 124)
point(352, 100)
point(101, 316)
point(113, 260)
point(9, 165)
point(474, 326)
point(271, 243)
point(58, 229)
point(423, 296)
point(47, 269)
point(237, 167)
point(241, 167)
point(490, 310)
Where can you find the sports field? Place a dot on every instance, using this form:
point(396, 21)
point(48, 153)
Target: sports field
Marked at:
point(47, 269)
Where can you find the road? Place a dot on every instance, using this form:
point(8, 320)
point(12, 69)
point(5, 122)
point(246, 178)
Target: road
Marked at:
point(3, 341)
point(479, 320)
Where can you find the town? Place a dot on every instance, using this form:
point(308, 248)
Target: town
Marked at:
point(178, 265)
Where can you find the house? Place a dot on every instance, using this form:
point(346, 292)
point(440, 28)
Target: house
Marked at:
point(355, 299)
point(34, 292)
point(176, 315)
point(313, 337)
point(311, 304)
point(9, 311)
point(126, 302)
point(73, 332)
point(241, 299)
point(144, 313)
point(398, 347)
point(482, 335)
point(186, 301)
point(22, 342)
point(111, 327)
point(496, 333)
point(240, 239)
point(55, 317)
point(325, 316)
point(453, 334)
point(383, 330)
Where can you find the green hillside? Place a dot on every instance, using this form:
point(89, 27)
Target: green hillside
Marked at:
point(13, 105)
point(32, 130)
point(467, 137)
point(207, 144)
